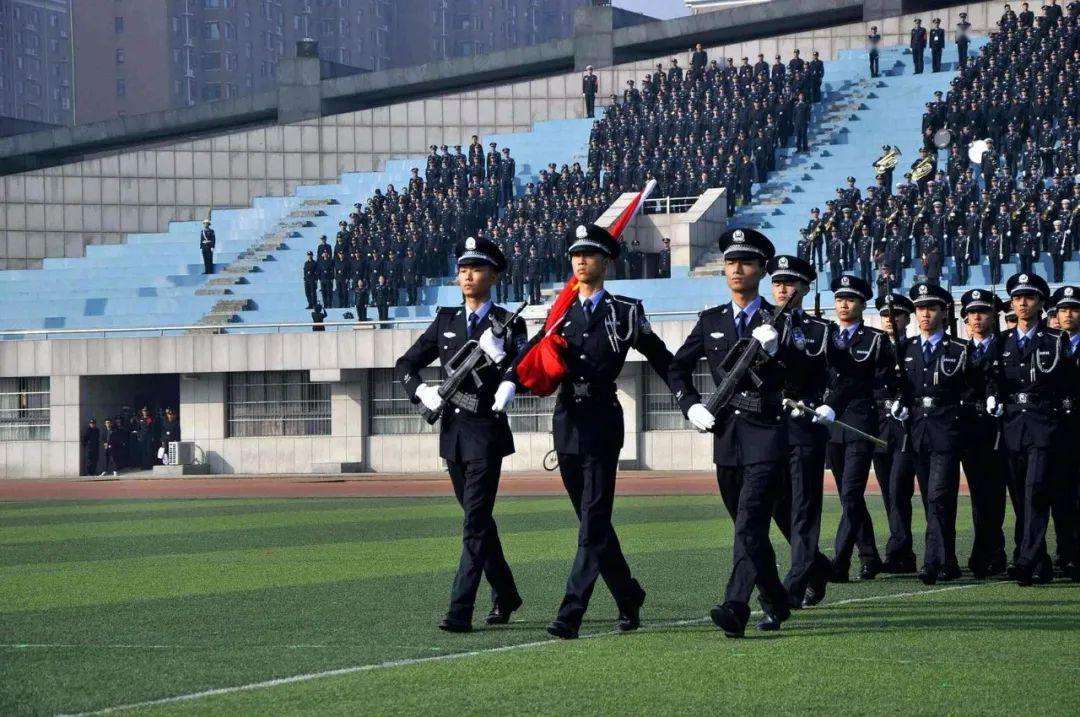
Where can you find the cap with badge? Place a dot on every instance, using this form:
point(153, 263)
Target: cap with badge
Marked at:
point(787, 267)
point(979, 300)
point(925, 294)
point(1027, 283)
point(591, 239)
point(887, 303)
point(848, 286)
point(1067, 297)
point(480, 252)
point(746, 244)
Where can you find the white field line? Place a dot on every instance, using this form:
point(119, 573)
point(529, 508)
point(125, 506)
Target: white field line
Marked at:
point(308, 677)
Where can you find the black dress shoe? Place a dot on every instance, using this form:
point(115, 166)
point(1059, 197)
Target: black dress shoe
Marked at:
point(561, 630)
point(451, 625)
point(630, 618)
point(769, 623)
point(1043, 573)
point(928, 576)
point(1012, 571)
point(813, 596)
point(730, 620)
point(870, 570)
point(951, 572)
point(995, 568)
point(839, 574)
point(902, 566)
point(500, 615)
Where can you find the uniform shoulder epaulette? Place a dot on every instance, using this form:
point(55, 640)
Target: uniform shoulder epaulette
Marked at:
point(712, 310)
point(816, 320)
point(957, 342)
point(447, 310)
point(625, 299)
point(1056, 333)
point(873, 330)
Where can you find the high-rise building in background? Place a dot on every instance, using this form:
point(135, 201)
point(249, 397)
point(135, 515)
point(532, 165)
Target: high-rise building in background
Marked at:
point(134, 56)
point(35, 61)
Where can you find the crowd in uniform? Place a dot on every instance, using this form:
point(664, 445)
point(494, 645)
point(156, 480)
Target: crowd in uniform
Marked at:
point(122, 442)
point(1019, 103)
point(1002, 403)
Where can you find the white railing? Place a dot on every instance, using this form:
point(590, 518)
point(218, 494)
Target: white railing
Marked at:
point(669, 205)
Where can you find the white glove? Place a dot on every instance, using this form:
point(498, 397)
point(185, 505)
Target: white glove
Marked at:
point(899, 411)
point(768, 338)
point(492, 346)
point(701, 418)
point(796, 412)
point(994, 408)
point(504, 394)
point(429, 396)
point(824, 415)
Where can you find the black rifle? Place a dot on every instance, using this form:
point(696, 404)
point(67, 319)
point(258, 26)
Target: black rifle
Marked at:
point(743, 364)
point(466, 362)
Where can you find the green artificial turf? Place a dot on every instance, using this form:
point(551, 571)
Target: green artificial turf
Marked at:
point(106, 604)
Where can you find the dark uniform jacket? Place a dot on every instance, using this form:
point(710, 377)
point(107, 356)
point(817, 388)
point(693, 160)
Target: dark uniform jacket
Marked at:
point(978, 428)
point(463, 435)
point(805, 381)
point(751, 428)
point(588, 418)
point(932, 393)
point(1031, 385)
point(867, 367)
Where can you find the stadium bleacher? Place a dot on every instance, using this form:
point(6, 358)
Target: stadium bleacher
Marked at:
point(156, 280)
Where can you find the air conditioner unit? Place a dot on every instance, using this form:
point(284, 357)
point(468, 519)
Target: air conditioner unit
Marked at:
point(182, 453)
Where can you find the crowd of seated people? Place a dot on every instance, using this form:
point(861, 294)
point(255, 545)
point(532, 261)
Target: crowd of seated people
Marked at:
point(1018, 105)
point(710, 126)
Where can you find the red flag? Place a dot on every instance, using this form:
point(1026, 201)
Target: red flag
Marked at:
point(542, 368)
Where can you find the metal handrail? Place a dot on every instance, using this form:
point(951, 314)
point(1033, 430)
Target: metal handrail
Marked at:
point(664, 205)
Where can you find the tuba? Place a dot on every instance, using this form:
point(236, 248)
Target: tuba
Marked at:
point(922, 169)
point(887, 161)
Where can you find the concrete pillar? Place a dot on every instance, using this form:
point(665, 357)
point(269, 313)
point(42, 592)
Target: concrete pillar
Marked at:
point(881, 9)
point(299, 84)
point(594, 37)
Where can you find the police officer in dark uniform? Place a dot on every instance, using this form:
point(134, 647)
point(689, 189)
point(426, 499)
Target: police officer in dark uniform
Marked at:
point(325, 270)
point(918, 45)
point(590, 85)
point(1066, 501)
point(801, 119)
point(207, 242)
point(937, 44)
point(361, 292)
point(750, 433)
point(981, 454)
point(473, 443)
point(894, 465)
point(962, 40)
point(382, 295)
point(599, 329)
point(533, 270)
point(873, 41)
point(798, 512)
point(934, 374)
point(1026, 386)
point(311, 275)
point(862, 367)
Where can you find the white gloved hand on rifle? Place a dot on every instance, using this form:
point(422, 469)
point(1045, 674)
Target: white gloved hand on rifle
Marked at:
point(824, 415)
point(429, 396)
point(899, 411)
point(504, 394)
point(701, 418)
point(492, 345)
point(993, 407)
point(768, 338)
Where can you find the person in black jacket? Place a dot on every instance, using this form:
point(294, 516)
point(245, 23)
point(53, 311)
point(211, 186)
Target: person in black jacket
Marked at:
point(311, 276)
point(362, 298)
point(918, 46)
point(207, 242)
point(113, 444)
point(473, 441)
point(325, 270)
point(599, 329)
point(170, 430)
point(590, 85)
point(382, 296)
point(317, 318)
point(146, 436)
point(91, 445)
point(937, 44)
point(750, 433)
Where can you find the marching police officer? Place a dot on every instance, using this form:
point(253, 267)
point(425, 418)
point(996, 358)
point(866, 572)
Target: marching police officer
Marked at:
point(599, 329)
point(981, 452)
point(207, 242)
point(750, 432)
point(894, 465)
point(1026, 386)
point(1066, 505)
point(473, 440)
point(862, 365)
point(798, 512)
point(934, 374)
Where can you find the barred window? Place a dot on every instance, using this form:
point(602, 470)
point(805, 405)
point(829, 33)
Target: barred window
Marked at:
point(24, 409)
point(276, 403)
point(392, 413)
point(662, 411)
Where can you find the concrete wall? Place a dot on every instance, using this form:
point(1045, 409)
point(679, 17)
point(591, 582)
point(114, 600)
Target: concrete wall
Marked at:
point(58, 211)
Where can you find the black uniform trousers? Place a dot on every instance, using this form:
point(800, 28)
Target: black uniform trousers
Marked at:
point(1031, 472)
point(476, 483)
point(939, 480)
point(750, 493)
point(310, 293)
point(589, 480)
point(850, 463)
point(1064, 508)
point(917, 59)
point(874, 63)
point(326, 288)
point(895, 472)
point(798, 515)
point(590, 105)
point(984, 469)
point(935, 58)
point(208, 260)
point(961, 54)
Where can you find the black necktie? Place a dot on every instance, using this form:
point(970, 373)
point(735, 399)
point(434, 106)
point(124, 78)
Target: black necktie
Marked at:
point(588, 306)
point(927, 352)
point(979, 351)
point(740, 324)
point(842, 339)
point(473, 321)
point(1022, 343)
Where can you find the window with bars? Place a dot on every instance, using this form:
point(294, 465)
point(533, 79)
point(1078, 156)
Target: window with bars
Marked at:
point(276, 403)
point(662, 411)
point(24, 409)
point(392, 413)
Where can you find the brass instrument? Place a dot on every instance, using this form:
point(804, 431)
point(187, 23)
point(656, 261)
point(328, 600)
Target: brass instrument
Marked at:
point(922, 169)
point(887, 161)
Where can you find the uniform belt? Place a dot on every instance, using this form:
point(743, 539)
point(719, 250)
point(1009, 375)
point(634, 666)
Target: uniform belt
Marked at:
point(579, 391)
point(756, 402)
point(928, 402)
point(1027, 400)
